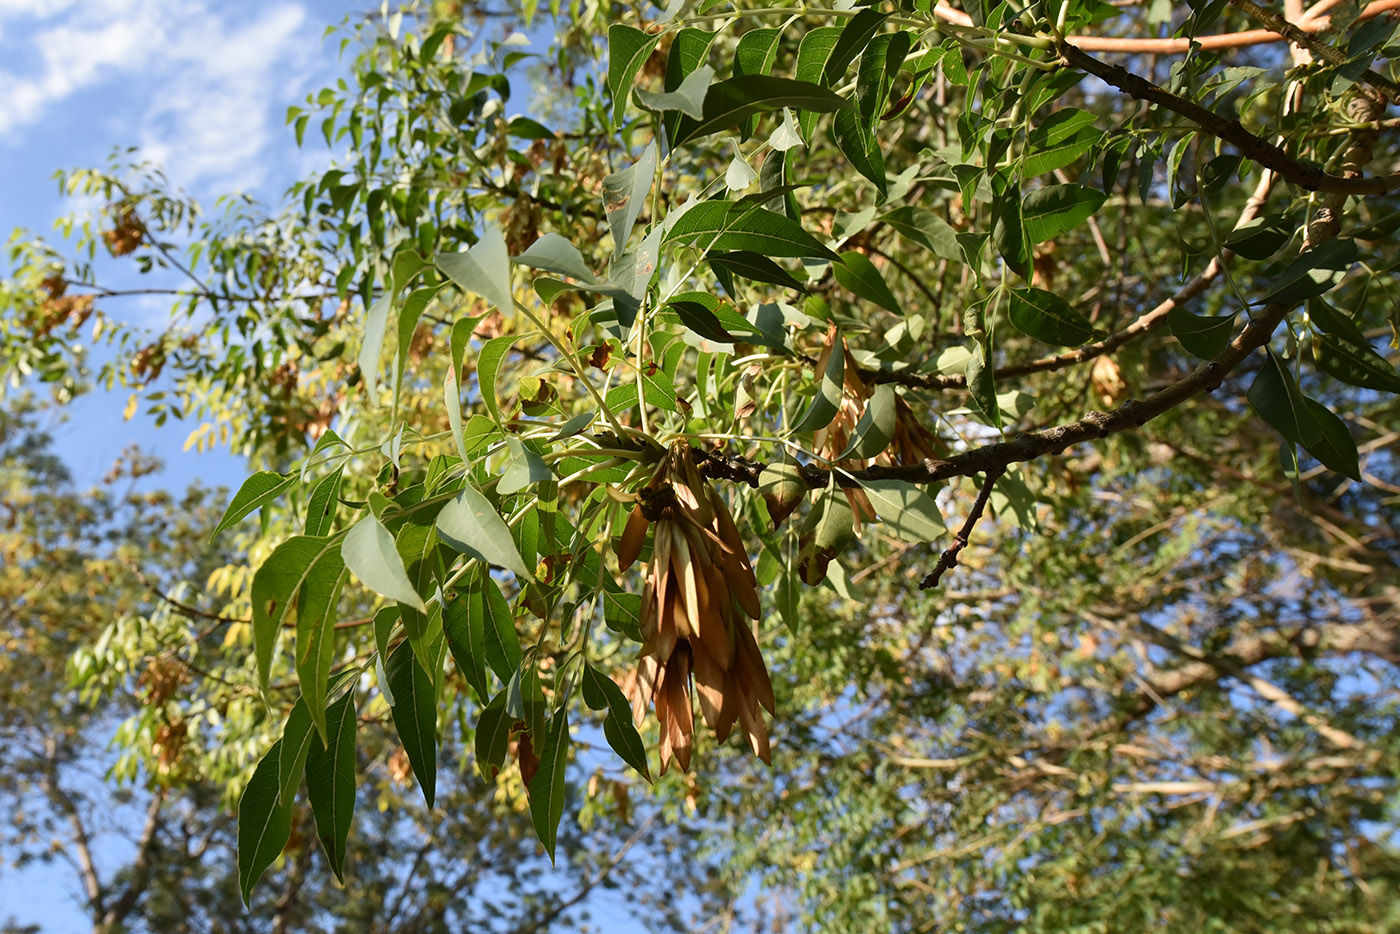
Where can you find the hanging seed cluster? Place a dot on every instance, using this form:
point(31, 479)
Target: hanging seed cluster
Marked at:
point(699, 597)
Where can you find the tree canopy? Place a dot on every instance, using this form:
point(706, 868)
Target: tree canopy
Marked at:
point(986, 412)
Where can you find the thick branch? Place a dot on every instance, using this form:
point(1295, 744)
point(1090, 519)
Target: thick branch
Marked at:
point(1389, 89)
point(1256, 148)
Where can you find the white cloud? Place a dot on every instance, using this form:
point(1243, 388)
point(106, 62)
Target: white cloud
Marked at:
point(201, 86)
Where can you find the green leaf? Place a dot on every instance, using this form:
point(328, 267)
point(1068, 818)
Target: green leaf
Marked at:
point(261, 488)
point(754, 55)
point(370, 554)
point(523, 468)
point(622, 736)
point(1354, 363)
point(855, 37)
point(858, 275)
point(831, 522)
point(553, 253)
point(981, 382)
point(1009, 233)
point(624, 196)
point(740, 99)
point(330, 782)
point(297, 738)
point(689, 98)
point(628, 48)
point(1279, 401)
point(602, 693)
point(699, 318)
point(1050, 211)
point(689, 50)
point(756, 267)
point(376, 322)
point(275, 586)
point(875, 429)
point(462, 330)
point(488, 364)
point(813, 52)
point(910, 512)
point(1313, 272)
point(409, 316)
point(827, 401)
point(320, 511)
point(1261, 237)
point(493, 736)
point(547, 786)
point(466, 638)
point(927, 229)
point(500, 643)
point(860, 147)
point(415, 715)
point(416, 543)
point(724, 225)
point(264, 824)
point(1049, 318)
point(317, 602)
point(471, 525)
point(482, 270)
point(1205, 336)
point(1060, 139)
point(734, 100)
point(1332, 443)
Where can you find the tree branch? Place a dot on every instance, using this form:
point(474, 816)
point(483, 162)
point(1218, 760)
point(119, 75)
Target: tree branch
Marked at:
point(949, 558)
point(1256, 148)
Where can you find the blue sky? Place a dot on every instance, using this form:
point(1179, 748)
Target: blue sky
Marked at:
point(199, 86)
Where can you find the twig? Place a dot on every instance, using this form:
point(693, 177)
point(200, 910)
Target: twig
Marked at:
point(949, 559)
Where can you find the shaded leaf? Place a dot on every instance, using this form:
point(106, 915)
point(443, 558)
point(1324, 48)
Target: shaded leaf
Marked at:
point(1202, 335)
point(927, 229)
point(415, 715)
point(857, 274)
point(827, 401)
point(1047, 317)
point(1354, 363)
point(1050, 211)
point(330, 782)
point(1332, 442)
point(875, 429)
point(264, 824)
point(1313, 272)
point(547, 787)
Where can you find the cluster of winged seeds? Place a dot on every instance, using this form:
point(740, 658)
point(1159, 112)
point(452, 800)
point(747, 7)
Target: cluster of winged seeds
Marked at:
point(908, 441)
point(699, 598)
